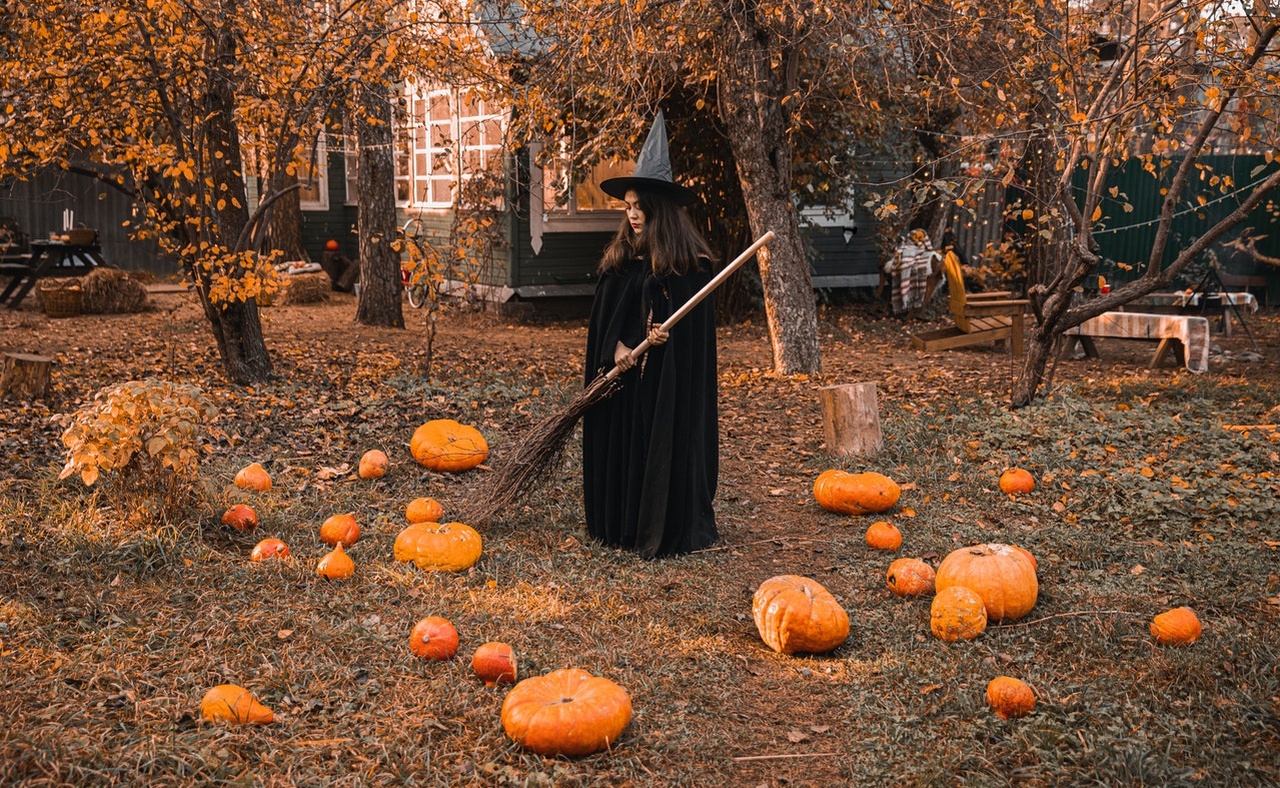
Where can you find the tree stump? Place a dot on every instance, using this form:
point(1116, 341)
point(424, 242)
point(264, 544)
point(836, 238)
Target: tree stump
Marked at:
point(851, 419)
point(25, 375)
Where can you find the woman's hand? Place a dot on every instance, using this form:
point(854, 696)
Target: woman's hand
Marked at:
point(622, 357)
point(656, 335)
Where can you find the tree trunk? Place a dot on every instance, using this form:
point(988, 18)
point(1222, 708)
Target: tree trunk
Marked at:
point(756, 127)
point(380, 288)
point(284, 223)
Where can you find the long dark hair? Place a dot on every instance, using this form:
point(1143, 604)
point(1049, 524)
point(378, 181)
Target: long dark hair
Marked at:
point(669, 240)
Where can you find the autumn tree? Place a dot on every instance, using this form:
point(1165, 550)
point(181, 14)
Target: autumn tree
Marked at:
point(1061, 93)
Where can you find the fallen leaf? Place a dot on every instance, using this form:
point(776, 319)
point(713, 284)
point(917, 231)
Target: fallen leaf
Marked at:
point(1137, 569)
point(819, 728)
point(930, 688)
point(776, 491)
point(284, 634)
point(795, 737)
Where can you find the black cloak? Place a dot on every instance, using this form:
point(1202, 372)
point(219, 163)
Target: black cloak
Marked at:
point(651, 452)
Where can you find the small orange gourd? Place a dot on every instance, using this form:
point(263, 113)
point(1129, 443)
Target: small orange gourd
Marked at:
point(909, 577)
point(241, 517)
point(373, 464)
point(1177, 627)
point(340, 529)
point(883, 535)
point(268, 549)
point(1010, 698)
point(495, 663)
point(434, 638)
point(1015, 481)
point(234, 704)
point(336, 565)
point(957, 614)
point(424, 510)
point(253, 477)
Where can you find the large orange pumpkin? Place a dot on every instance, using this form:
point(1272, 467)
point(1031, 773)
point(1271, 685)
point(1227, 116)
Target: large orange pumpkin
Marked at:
point(1003, 576)
point(796, 614)
point(234, 704)
point(566, 712)
point(445, 445)
point(855, 493)
point(446, 547)
point(957, 614)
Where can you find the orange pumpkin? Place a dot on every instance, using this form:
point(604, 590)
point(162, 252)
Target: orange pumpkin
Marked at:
point(424, 510)
point(445, 445)
point(883, 536)
point(1016, 480)
point(1010, 698)
point(373, 464)
point(253, 477)
point(434, 638)
point(241, 517)
point(566, 712)
point(340, 529)
point(1177, 627)
point(495, 663)
point(268, 549)
point(957, 614)
point(855, 493)
point(331, 245)
point(796, 614)
point(336, 565)
point(234, 704)
point(446, 547)
point(1001, 575)
point(909, 577)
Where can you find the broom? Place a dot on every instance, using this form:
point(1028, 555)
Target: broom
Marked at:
point(542, 447)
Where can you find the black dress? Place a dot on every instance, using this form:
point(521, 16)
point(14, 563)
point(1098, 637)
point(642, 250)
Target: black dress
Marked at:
point(650, 453)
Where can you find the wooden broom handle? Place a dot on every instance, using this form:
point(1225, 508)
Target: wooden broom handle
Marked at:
point(640, 349)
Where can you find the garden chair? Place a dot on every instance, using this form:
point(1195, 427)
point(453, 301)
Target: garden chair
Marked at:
point(979, 317)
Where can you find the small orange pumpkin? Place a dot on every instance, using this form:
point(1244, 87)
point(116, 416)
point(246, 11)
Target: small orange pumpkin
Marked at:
point(336, 565)
point(566, 712)
point(855, 493)
point(1004, 577)
point(495, 663)
point(1177, 627)
point(445, 445)
point(253, 477)
point(234, 704)
point(331, 245)
point(340, 529)
point(373, 464)
point(909, 577)
point(796, 614)
point(434, 638)
point(1015, 481)
point(241, 517)
point(957, 614)
point(444, 547)
point(883, 536)
point(268, 549)
point(424, 510)
point(1010, 698)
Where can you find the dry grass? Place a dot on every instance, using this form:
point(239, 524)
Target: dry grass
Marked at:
point(110, 632)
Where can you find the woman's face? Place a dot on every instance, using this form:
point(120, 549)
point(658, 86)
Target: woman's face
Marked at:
point(635, 216)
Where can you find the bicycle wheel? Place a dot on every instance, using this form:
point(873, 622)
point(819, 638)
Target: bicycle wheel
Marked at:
point(417, 295)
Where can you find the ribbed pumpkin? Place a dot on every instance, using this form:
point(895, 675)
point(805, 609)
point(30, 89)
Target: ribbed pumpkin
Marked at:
point(1004, 577)
point(1010, 698)
point(566, 712)
point(447, 547)
point(1177, 627)
point(855, 493)
point(909, 577)
point(234, 704)
point(957, 614)
point(796, 614)
point(1017, 480)
point(883, 535)
point(423, 510)
point(447, 446)
point(253, 477)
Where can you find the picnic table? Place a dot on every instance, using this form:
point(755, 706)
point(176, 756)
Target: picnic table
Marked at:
point(48, 259)
point(1187, 334)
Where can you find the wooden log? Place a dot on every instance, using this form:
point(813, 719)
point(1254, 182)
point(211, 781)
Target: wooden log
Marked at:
point(851, 419)
point(25, 375)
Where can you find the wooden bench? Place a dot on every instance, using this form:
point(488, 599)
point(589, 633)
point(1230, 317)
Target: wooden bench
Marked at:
point(1186, 335)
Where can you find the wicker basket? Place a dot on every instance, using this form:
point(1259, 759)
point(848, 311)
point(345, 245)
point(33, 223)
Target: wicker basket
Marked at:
point(82, 236)
point(61, 301)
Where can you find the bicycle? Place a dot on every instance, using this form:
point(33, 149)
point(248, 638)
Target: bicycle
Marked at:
point(413, 274)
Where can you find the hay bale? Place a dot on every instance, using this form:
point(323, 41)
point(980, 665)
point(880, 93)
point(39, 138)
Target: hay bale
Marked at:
point(112, 291)
point(306, 288)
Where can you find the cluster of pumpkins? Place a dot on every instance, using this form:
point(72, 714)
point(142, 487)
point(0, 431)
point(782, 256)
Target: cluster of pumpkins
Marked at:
point(565, 712)
point(971, 586)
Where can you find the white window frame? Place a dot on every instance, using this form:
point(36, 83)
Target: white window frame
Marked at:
point(314, 176)
point(434, 153)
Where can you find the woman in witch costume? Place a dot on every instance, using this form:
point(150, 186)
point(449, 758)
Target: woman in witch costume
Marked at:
point(650, 453)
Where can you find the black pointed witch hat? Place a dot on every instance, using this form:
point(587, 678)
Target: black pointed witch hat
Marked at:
point(653, 170)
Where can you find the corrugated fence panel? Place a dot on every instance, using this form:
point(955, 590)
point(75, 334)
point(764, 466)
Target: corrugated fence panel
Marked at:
point(39, 205)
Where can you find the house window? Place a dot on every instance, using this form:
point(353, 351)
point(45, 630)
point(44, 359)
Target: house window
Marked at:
point(349, 160)
point(313, 175)
point(447, 136)
point(561, 198)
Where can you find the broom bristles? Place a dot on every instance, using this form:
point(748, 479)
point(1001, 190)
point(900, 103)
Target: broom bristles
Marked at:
point(541, 450)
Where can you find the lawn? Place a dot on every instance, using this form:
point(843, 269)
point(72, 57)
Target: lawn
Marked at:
point(116, 616)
